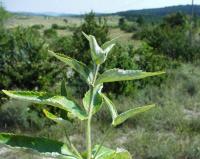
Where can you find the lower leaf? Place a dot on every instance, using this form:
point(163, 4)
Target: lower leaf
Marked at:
point(107, 153)
point(41, 145)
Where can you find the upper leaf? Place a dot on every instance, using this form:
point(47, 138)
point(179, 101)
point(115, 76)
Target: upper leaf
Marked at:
point(98, 54)
point(42, 98)
point(109, 43)
point(41, 145)
point(107, 153)
point(78, 66)
point(130, 113)
point(96, 99)
point(123, 75)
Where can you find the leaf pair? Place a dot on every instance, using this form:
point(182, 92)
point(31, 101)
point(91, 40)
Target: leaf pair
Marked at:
point(99, 54)
point(120, 118)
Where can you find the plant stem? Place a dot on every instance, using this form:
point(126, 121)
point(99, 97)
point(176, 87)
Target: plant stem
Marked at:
point(71, 145)
point(90, 109)
point(102, 141)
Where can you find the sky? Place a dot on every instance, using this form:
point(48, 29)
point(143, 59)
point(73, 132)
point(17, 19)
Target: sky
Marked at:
point(83, 6)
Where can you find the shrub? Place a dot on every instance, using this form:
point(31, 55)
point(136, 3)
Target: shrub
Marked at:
point(24, 60)
point(50, 33)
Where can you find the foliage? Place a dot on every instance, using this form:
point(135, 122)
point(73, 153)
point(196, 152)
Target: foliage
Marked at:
point(127, 25)
point(171, 38)
point(3, 16)
point(24, 60)
point(92, 104)
point(50, 33)
point(58, 27)
point(37, 26)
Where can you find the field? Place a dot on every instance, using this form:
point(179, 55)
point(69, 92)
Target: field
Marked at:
point(169, 131)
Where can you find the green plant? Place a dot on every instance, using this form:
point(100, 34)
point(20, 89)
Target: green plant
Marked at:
point(92, 103)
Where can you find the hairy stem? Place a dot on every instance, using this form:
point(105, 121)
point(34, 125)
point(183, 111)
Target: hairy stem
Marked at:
point(88, 132)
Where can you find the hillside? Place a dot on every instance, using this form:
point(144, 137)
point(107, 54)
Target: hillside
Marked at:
point(145, 12)
point(161, 11)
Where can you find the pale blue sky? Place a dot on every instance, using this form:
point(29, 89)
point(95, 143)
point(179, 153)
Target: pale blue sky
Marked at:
point(83, 6)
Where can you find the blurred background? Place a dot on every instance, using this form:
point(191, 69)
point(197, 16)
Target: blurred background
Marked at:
point(154, 36)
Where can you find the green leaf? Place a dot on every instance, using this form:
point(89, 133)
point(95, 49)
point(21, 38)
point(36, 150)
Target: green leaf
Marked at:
point(130, 113)
point(96, 101)
point(120, 118)
point(63, 89)
point(111, 106)
point(98, 54)
point(107, 153)
point(55, 101)
point(122, 75)
point(41, 145)
point(78, 66)
point(53, 117)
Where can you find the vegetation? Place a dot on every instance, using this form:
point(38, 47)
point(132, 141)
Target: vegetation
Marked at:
point(92, 103)
point(152, 43)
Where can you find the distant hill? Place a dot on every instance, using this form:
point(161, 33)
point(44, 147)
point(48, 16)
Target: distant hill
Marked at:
point(161, 11)
point(52, 14)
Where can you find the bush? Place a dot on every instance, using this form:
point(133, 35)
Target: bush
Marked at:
point(172, 39)
point(37, 26)
point(50, 33)
point(58, 27)
point(24, 60)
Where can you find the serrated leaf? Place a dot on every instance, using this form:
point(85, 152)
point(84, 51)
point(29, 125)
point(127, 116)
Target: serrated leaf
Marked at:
point(96, 101)
point(43, 98)
point(114, 75)
point(107, 153)
point(41, 145)
point(111, 106)
point(55, 118)
point(78, 66)
point(130, 113)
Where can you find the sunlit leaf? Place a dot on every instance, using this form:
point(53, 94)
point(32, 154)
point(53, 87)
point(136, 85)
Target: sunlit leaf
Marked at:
point(53, 117)
point(42, 98)
point(130, 113)
point(78, 66)
point(123, 75)
point(107, 153)
point(96, 100)
point(41, 145)
point(98, 54)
